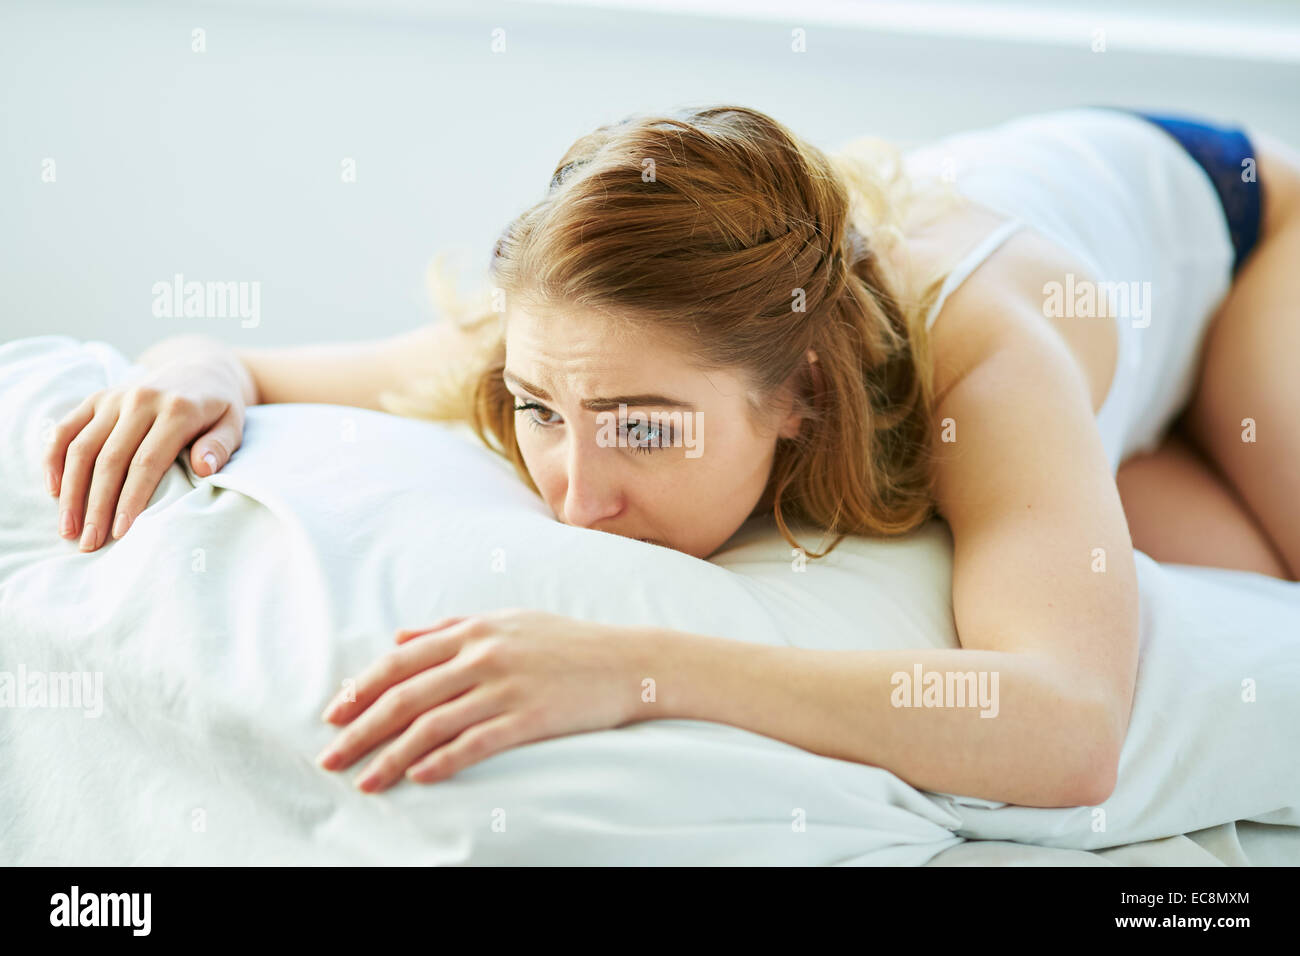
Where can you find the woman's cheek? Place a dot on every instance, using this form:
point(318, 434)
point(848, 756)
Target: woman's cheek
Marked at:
point(542, 475)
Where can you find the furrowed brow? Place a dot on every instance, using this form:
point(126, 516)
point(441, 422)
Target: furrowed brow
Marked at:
point(648, 400)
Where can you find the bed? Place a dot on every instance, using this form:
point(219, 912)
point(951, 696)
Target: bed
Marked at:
point(207, 640)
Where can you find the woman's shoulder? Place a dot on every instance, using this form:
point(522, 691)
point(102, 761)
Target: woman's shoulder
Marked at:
point(1003, 300)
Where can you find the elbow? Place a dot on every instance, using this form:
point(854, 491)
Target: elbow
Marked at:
point(1095, 784)
point(1095, 747)
point(1089, 781)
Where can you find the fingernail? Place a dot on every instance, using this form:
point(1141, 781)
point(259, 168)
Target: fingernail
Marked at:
point(327, 759)
point(67, 527)
point(211, 461)
point(328, 712)
point(88, 538)
point(52, 482)
point(368, 781)
point(120, 525)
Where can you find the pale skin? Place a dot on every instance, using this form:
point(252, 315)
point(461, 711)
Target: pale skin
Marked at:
point(1025, 487)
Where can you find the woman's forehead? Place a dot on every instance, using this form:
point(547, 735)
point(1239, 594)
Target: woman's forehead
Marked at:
point(588, 355)
point(576, 342)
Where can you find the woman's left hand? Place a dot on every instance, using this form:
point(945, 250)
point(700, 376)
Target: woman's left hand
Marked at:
point(470, 687)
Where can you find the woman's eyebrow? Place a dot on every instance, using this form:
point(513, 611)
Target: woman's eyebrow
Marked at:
point(604, 404)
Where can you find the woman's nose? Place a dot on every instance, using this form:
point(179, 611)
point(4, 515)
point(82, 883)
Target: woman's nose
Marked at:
point(591, 495)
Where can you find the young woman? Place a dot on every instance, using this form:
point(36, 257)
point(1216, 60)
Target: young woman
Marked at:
point(987, 333)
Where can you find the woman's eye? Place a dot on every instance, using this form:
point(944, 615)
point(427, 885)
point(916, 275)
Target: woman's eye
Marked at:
point(643, 437)
point(533, 408)
point(641, 433)
point(637, 435)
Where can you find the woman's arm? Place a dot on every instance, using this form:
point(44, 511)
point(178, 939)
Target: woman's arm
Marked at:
point(1044, 594)
point(456, 692)
point(107, 455)
point(338, 373)
point(1038, 746)
point(355, 373)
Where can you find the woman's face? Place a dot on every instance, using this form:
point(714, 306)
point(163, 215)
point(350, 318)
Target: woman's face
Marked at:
point(681, 464)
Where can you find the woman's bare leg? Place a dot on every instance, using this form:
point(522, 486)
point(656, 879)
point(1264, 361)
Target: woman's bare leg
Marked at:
point(1180, 510)
point(1249, 380)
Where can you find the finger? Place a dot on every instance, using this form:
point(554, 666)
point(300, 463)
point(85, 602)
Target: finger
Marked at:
point(475, 744)
point(157, 452)
point(67, 429)
point(393, 713)
point(405, 635)
point(213, 449)
point(393, 667)
point(110, 468)
point(431, 729)
point(78, 462)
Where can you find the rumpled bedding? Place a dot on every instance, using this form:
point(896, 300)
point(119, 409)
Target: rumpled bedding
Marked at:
point(206, 641)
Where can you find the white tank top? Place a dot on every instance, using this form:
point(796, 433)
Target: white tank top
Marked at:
point(1144, 218)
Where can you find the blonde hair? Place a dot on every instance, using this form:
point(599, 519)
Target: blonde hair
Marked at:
point(713, 225)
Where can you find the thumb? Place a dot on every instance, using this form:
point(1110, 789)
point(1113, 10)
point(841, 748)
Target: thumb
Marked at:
point(214, 447)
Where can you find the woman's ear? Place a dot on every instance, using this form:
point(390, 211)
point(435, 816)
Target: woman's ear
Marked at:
point(794, 420)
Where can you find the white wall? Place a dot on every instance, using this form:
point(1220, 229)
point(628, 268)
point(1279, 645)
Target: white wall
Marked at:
point(225, 165)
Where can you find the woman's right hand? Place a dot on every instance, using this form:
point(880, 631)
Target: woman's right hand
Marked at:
point(108, 454)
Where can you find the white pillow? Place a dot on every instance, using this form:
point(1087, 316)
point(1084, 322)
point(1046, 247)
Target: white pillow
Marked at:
point(235, 606)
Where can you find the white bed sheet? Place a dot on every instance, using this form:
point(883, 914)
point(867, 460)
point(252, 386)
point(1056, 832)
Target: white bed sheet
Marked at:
point(225, 618)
